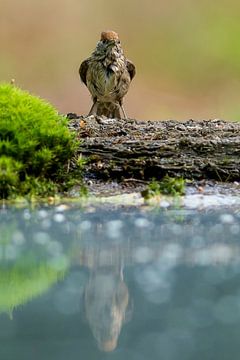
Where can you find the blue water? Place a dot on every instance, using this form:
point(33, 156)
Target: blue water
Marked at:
point(104, 283)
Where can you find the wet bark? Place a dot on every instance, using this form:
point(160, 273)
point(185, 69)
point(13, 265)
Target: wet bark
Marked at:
point(120, 149)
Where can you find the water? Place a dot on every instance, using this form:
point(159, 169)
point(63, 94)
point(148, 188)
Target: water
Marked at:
point(119, 284)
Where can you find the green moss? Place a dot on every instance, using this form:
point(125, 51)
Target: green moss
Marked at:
point(167, 186)
point(81, 162)
point(19, 284)
point(31, 271)
point(35, 145)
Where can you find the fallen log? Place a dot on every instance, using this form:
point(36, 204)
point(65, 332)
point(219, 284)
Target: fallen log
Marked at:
point(120, 149)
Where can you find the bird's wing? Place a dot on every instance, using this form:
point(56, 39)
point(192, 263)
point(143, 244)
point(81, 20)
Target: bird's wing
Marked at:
point(131, 69)
point(83, 71)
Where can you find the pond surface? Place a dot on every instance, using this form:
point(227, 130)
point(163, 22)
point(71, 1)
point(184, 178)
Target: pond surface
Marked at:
point(99, 283)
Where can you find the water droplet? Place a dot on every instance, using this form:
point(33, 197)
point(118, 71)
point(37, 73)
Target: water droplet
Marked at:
point(142, 222)
point(59, 217)
point(227, 218)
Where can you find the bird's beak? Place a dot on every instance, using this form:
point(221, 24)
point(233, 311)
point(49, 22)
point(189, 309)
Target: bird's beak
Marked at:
point(112, 42)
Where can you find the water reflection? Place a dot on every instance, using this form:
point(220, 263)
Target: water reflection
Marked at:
point(181, 270)
point(106, 299)
point(30, 264)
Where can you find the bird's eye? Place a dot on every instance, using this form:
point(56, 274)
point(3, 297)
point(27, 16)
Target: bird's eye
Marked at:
point(104, 41)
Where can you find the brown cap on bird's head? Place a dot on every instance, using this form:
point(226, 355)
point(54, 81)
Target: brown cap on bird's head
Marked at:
point(109, 35)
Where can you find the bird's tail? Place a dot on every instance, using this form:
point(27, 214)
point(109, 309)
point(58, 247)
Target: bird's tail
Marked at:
point(108, 109)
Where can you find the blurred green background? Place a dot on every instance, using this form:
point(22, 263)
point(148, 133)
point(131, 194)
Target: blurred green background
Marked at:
point(187, 53)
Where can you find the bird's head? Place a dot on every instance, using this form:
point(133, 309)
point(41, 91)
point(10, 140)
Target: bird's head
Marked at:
point(108, 45)
point(109, 38)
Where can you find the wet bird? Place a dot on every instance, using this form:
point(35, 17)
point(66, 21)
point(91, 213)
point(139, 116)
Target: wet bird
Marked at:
point(107, 73)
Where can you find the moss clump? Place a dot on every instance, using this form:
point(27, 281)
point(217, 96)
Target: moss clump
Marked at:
point(167, 186)
point(19, 284)
point(35, 145)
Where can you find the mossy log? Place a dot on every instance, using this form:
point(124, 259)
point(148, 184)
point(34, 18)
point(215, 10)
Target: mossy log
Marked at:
point(120, 149)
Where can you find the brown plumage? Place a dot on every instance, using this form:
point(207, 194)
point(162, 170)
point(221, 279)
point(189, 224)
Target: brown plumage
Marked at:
point(107, 74)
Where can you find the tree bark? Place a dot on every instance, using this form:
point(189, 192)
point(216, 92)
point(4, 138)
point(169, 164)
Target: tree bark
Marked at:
point(120, 149)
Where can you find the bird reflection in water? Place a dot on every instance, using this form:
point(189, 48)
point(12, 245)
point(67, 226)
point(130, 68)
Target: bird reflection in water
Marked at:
point(106, 300)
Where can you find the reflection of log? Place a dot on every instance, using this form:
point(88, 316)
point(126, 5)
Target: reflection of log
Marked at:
point(145, 149)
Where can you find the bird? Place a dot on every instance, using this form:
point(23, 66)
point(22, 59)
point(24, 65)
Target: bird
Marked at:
point(107, 73)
